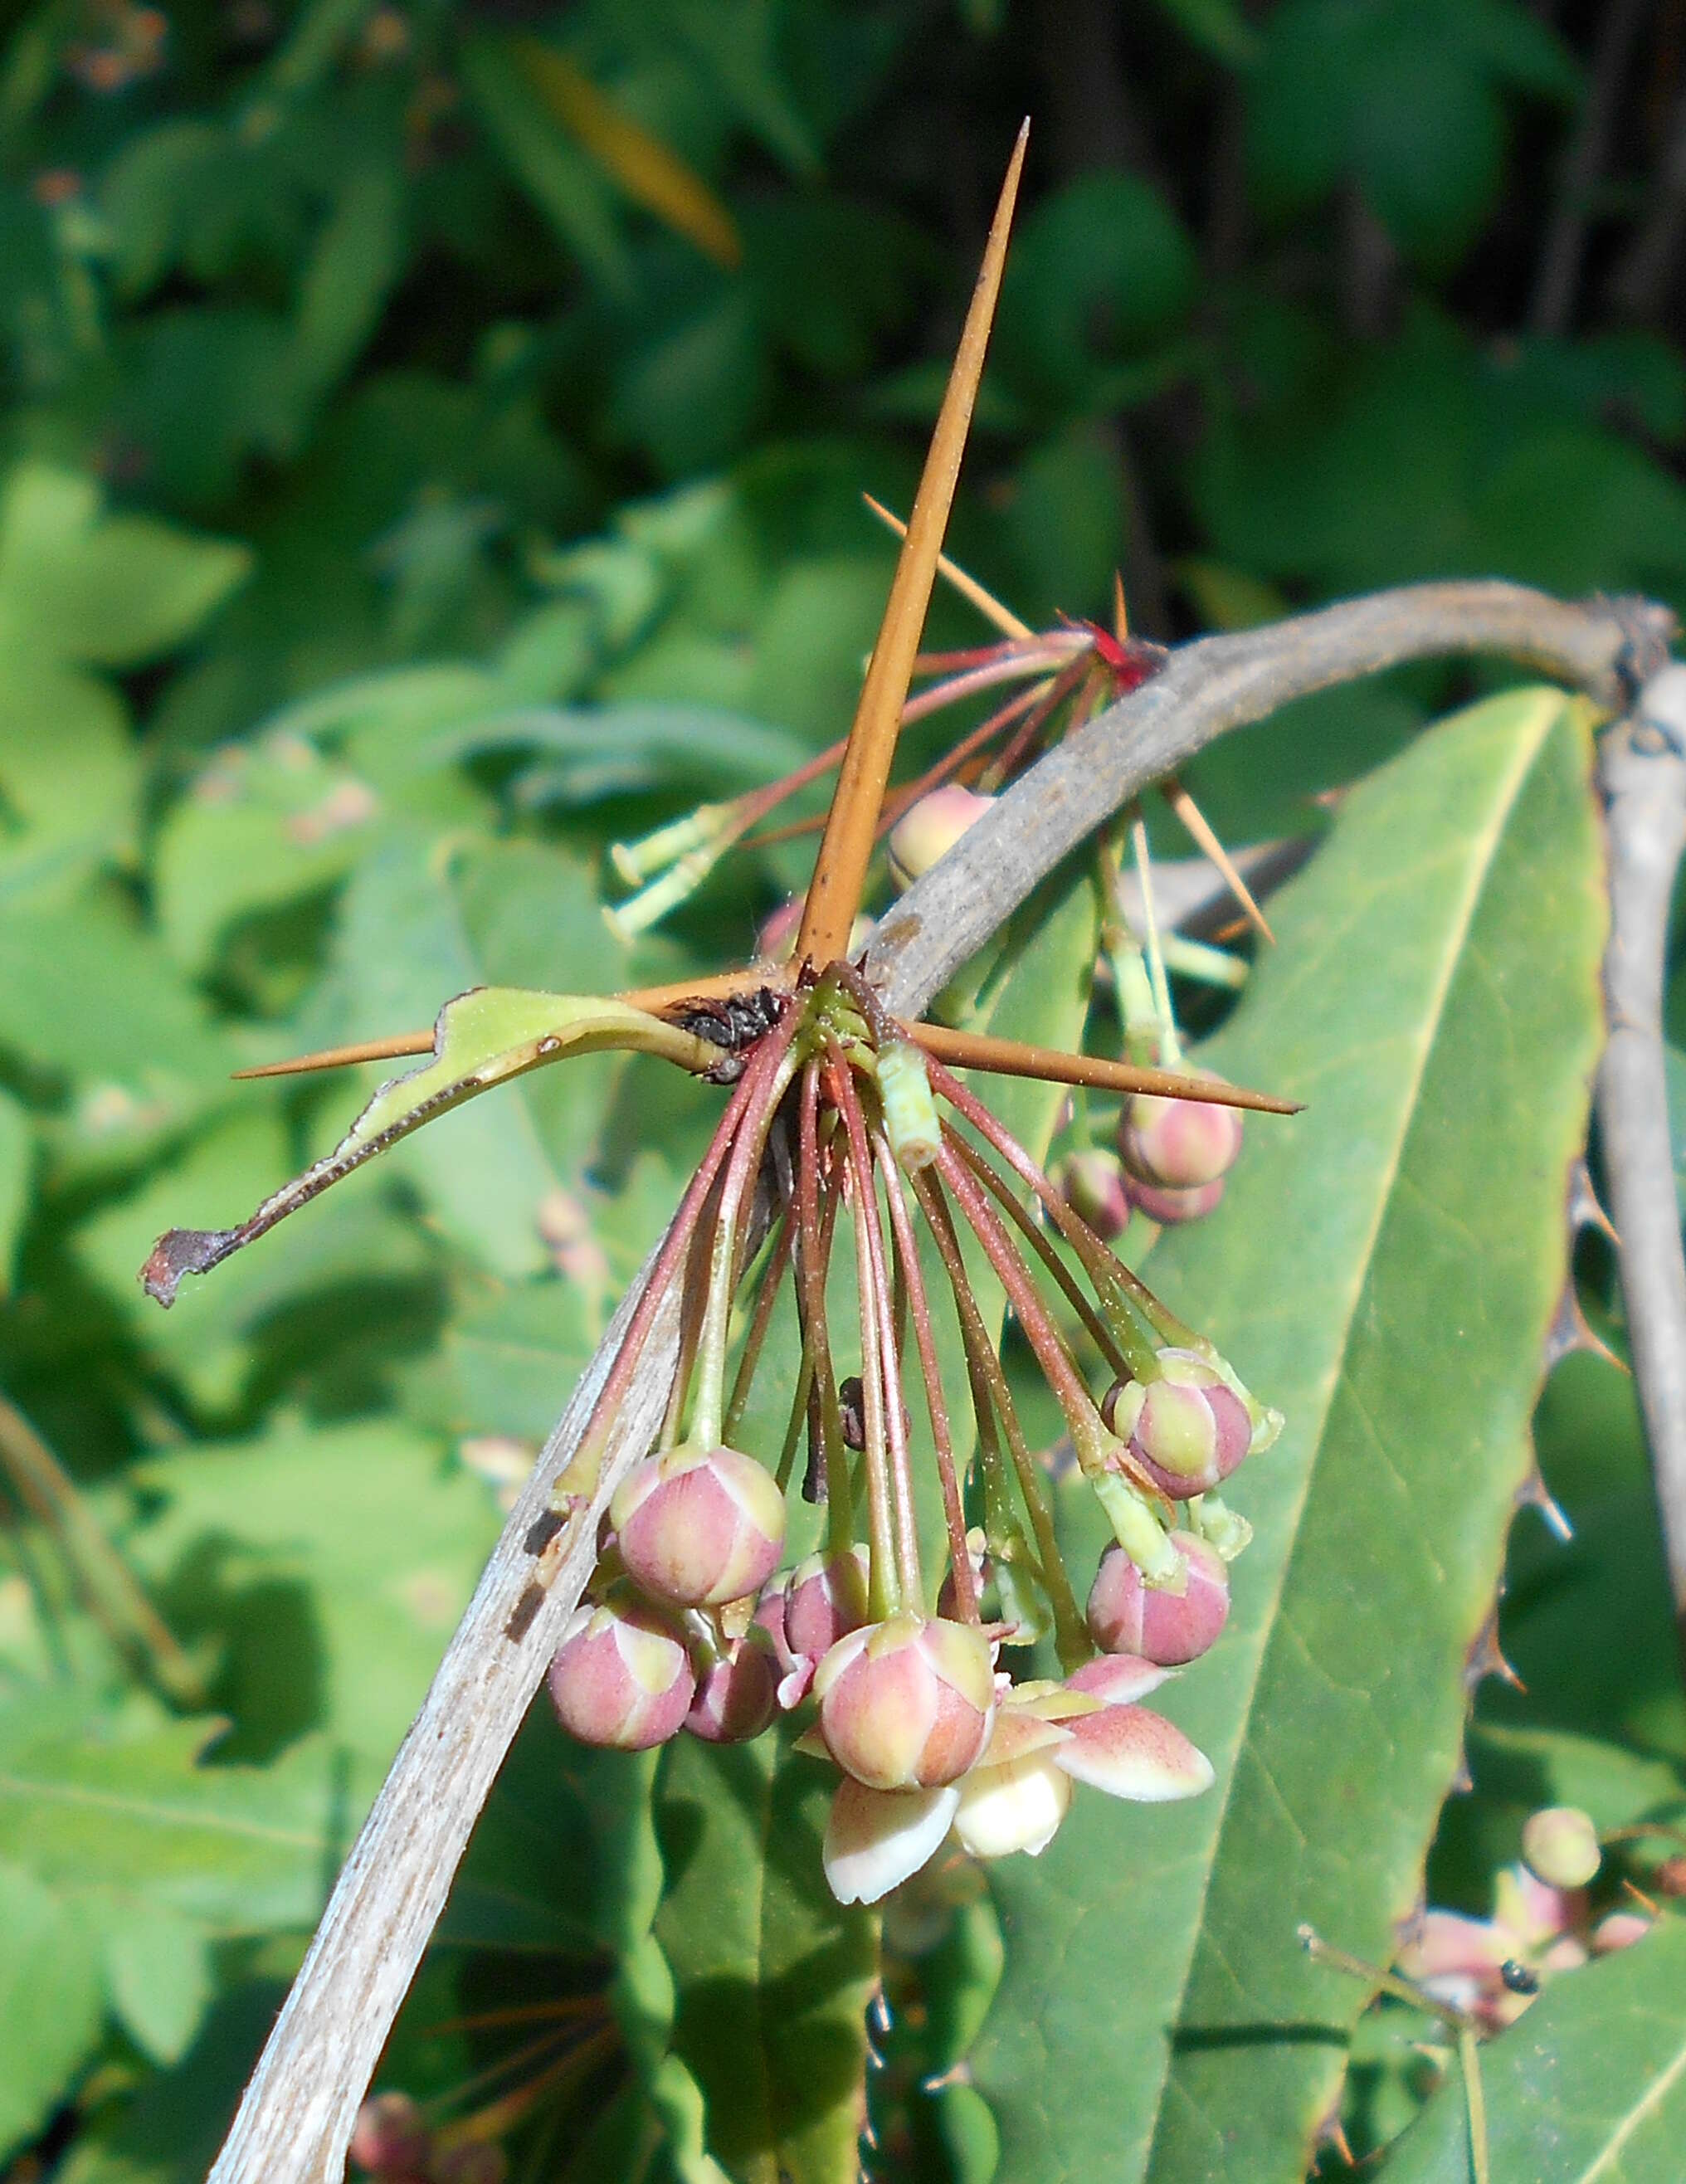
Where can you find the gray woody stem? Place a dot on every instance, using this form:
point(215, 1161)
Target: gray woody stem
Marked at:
point(1642, 767)
point(295, 2119)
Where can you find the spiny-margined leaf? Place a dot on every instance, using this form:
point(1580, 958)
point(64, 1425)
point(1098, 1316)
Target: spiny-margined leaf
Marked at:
point(1385, 1270)
point(1589, 2087)
point(482, 1038)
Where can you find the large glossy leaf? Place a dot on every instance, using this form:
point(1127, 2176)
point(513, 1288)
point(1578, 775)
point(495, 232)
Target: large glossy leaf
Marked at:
point(1589, 2084)
point(1385, 1270)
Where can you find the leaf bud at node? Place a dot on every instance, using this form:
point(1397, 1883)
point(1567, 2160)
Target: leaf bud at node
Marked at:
point(1126, 1616)
point(737, 1696)
point(1560, 1845)
point(1178, 1144)
point(389, 2137)
point(699, 1526)
point(929, 829)
point(1191, 1428)
point(622, 1675)
point(1092, 1183)
point(907, 1704)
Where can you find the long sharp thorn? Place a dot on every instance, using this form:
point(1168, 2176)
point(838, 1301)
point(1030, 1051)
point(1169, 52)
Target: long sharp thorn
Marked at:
point(653, 998)
point(1120, 612)
point(1006, 1057)
point(1195, 821)
point(968, 586)
point(846, 847)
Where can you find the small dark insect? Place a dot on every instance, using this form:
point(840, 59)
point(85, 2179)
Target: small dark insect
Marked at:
point(1521, 1978)
point(733, 1024)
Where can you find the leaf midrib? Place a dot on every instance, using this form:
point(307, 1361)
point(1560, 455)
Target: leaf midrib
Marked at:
point(1481, 867)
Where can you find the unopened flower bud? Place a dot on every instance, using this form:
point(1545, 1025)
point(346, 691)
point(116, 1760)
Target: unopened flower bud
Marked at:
point(1092, 1183)
point(699, 1526)
point(737, 1696)
point(1561, 1845)
point(1126, 1616)
point(825, 1598)
point(929, 829)
point(474, 2161)
point(389, 2137)
point(621, 1676)
point(907, 1704)
point(1619, 1930)
point(1171, 1207)
point(1178, 1144)
point(1191, 1428)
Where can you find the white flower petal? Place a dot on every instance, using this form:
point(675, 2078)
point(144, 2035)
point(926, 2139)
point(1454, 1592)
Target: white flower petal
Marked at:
point(1015, 1807)
point(875, 1839)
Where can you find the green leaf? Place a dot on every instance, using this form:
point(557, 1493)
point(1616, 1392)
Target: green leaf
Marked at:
point(356, 260)
point(17, 1164)
point(772, 1976)
point(1384, 1269)
point(159, 1972)
point(1590, 2082)
point(50, 2008)
point(245, 1849)
point(263, 1546)
point(109, 590)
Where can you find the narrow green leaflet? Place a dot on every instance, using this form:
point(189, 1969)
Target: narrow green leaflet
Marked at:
point(480, 1039)
point(1588, 2088)
point(1385, 1270)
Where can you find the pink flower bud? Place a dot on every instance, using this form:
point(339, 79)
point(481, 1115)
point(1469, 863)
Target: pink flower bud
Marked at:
point(1127, 1616)
point(825, 1599)
point(699, 1526)
point(907, 1704)
point(389, 2137)
point(737, 1697)
point(1190, 1429)
point(1092, 1183)
point(929, 829)
point(1619, 1930)
point(1170, 1207)
point(474, 2161)
point(620, 1676)
point(1178, 1143)
point(1561, 1845)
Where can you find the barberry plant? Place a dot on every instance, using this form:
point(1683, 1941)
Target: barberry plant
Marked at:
point(843, 1119)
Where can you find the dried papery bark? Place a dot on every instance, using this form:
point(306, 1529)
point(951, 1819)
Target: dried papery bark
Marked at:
point(295, 2121)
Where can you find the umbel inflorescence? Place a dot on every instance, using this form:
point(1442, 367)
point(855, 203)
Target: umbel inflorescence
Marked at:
point(838, 1122)
point(852, 1168)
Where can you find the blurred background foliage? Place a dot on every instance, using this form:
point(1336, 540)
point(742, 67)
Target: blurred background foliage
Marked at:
point(431, 448)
